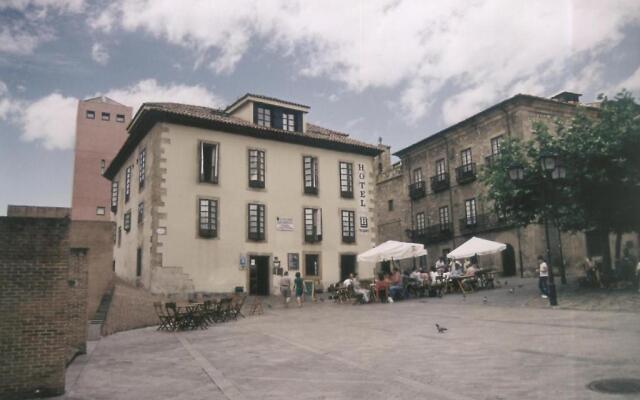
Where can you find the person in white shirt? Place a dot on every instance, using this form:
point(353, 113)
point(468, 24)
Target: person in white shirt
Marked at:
point(348, 282)
point(356, 287)
point(543, 281)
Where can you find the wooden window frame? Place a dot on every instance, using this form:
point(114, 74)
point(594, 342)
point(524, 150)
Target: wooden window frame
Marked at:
point(90, 114)
point(313, 231)
point(127, 221)
point(127, 184)
point(142, 168)
point(105, 116)
point(443, 216)
point(259, 171)
point(215, 162)
point(421, 222)
point(345, 172)
point(288, 121)
point(212, 217)
point(114, 196)
point(471, 212)
point(417, 172)
point(259, 233)
point(319, 266)
point(119, 117)
point(348, 226)
point(310, 174)
point(140, 213)
point(266, 119)
point(464, 159)
point(496, 145)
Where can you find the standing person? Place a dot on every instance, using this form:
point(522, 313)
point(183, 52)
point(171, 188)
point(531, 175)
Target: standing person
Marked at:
point(298, 285)
point(285, 288)
point(440, 265)
point(543, 281)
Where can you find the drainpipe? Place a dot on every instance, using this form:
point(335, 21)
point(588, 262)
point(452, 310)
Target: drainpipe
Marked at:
point(446, 144)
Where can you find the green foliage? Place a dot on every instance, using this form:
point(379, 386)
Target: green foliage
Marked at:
point(601, 155)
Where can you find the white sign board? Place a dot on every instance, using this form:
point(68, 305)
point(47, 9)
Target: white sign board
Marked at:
point(284, 224)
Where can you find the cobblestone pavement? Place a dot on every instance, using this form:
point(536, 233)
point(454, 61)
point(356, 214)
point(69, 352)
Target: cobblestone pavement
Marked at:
point(514, 346)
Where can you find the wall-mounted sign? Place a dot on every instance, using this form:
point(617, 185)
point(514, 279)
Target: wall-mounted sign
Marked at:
point(284, 224)
point(243, 262)
point(161, 230)
point(363, 211)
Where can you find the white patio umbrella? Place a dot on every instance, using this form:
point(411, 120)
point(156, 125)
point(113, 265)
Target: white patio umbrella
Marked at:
point(392, 250)
point(478, 246)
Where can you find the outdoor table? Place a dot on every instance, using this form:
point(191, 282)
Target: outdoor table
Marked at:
point(192, 315)
point(485, 276)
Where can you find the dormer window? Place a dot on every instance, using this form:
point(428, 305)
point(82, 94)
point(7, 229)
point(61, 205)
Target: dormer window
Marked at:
point(264, 116)
point(288, 122)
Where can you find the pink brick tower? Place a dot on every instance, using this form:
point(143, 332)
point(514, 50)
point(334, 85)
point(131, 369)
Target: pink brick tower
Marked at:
point(100, 132)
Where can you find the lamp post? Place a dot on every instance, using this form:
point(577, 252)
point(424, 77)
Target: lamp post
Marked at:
point(550, 167)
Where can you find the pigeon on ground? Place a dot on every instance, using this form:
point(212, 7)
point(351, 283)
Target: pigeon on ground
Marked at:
point(506, 283)
point(441, 329)
point(512, 291)
point(520, 286)
point(268, 305)
point(485, 300)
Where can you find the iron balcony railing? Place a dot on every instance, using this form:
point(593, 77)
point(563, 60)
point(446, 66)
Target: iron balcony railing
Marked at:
point(483, 222)
point(466, 173)
point(440, 182)
point(417, 190)
point(434, 233)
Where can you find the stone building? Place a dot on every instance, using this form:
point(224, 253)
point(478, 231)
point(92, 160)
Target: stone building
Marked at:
point(434, 195)
point(214, 200)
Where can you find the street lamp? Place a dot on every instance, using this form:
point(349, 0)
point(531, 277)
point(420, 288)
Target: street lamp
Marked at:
point(550, 166)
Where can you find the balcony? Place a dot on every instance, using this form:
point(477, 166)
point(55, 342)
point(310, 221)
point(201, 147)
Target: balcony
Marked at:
point(417, 190)
point(256, 183)
point(311, 235)
point(466, 173)
point(483, 223)
point(311, 190)
point(440, 182)
point(434, 233)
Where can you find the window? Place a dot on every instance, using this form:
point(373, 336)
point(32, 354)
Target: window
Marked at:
point(444, 217)
point(440, 168)
point(142, 167)
point(91, 114)
point(256, 168)
point(312, 225)
point(114, 196)
point(119, 117)
point(380, 168)
point(288, 122)
point(465, 157)
point(390, 205)
point(139, 262)
point(470, 212)
point(119, 235)
point(420, 222)
point(127, 184)
point(346, 180)
point(127, 221)
point(417, 175)
point(140, 212)
point(348, 226)
point(310, 166)
point(256, 221)
point(100, 210)
point(496, 145)
point(106, 116)
point(208, 162)
point(264, 116)
point(102, 166)
point(208, 218)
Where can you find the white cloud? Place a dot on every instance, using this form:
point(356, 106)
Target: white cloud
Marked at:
point(99, 54)
point(420, 47)
point(632, 83)
point(51, 120)
point(149, 90)
point(31, 26)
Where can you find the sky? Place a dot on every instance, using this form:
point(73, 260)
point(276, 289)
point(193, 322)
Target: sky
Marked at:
point(399, 70)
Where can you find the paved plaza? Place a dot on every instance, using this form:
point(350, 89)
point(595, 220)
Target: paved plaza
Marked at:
point(511, 347)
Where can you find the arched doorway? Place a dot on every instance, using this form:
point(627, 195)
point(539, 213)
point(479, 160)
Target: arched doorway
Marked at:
point(509, 261)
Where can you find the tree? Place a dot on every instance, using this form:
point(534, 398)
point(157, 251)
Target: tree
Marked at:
point(601, 155)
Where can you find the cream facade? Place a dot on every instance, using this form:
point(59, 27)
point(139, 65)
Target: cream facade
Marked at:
point(166, 251)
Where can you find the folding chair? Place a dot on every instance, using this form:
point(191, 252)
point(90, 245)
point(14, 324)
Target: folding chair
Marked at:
point(166, 322)
point(256, 306)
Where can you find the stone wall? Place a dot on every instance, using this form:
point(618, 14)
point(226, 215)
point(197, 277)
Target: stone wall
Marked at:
point(131, 308)
point(42, 291)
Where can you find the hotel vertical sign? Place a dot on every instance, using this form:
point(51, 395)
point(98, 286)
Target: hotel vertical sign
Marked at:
point(363, 218)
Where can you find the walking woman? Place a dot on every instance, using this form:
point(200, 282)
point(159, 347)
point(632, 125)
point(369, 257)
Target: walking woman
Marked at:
point(299, 288)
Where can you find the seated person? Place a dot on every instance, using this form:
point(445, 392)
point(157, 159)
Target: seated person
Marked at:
point(348, 282)
point(470, 276)
point(441, 266)
point(456, 268)
point(416, 275)
point(358, 290)
point(397, 289)
point(425, 277)
point(381, 287)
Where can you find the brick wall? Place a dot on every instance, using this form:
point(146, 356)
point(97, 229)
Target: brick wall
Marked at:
point(41, 295)
point(131, 308)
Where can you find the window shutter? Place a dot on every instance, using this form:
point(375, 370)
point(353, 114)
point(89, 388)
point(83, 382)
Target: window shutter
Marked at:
point(201, 152)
